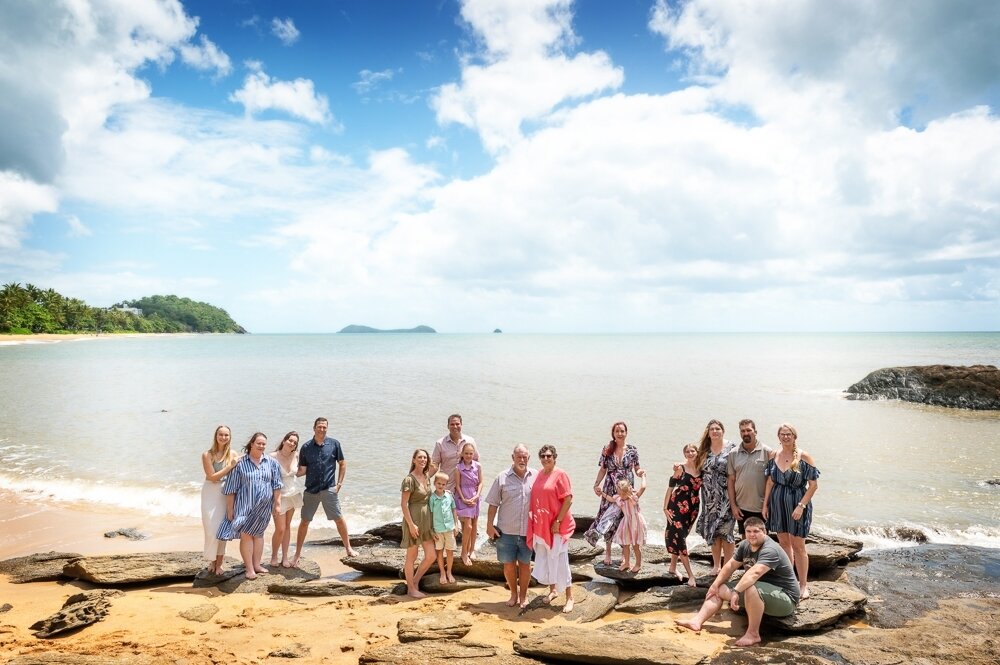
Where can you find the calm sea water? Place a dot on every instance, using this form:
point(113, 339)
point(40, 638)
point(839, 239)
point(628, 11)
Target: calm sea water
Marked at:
point(123, 421)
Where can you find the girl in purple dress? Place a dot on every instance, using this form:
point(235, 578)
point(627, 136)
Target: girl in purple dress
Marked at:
point(468, 479)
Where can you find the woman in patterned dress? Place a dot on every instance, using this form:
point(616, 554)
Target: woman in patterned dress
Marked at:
point(680, 505)
point(252, 490)
point(792, 480)
point(618, 461)
point(418, 529)
point(715, 523)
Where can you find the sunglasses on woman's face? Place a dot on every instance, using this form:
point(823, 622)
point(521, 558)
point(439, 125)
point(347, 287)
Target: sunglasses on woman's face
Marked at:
point(545, 455)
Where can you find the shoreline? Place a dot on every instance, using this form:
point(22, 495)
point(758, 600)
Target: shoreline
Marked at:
point(145, 624)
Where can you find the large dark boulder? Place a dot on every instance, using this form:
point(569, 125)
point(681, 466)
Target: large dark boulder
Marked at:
point(826, 604)
point(824, 551)
point(973, 387)
point(653, 574)
point(659, 598)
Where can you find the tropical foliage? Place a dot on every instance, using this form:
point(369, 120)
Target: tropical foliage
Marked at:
point(29, 309)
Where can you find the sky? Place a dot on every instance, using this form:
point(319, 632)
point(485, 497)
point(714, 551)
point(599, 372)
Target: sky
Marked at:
point(530, 165)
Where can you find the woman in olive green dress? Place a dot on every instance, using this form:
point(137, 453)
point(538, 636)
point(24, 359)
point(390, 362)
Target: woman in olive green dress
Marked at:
point(418, 529)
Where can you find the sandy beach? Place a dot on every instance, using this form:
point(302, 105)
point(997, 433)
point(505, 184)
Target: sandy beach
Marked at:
point(247, 627)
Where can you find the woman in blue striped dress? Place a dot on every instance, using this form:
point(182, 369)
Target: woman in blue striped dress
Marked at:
point(792, 480)
point(252, 490)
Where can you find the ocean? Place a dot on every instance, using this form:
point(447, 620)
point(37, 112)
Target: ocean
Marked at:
point(122, 422)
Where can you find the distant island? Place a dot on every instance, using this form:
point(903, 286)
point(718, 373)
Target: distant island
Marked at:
point(368, 329)
point(27, 310)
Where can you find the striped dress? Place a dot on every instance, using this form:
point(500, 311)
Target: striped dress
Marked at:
point(632, 529)
point(788, 490)
point(254, 487)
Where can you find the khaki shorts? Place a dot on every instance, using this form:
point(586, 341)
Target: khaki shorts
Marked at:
point(444, 540)
point(330, 501)
point(777, 603)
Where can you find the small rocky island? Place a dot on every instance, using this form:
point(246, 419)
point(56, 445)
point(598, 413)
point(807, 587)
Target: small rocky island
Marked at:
point(974, 387)
point(367, 329)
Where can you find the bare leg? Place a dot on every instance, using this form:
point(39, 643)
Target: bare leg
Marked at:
point(687, 566)
point(801, 564)
point(638, 558)
point(258, 554)
point(755, 612)
point(425, 563)
point(552, 594)
point(673, 564)
point(523, 580)
point(607, 552)
point(472, 538)
point(716, 556)
point(218, 564)
point(344, 536)
point(442, 575)
point(279, 533)
point(510, 574)
point(412, 588)
point(449, 561)
point(246, 553)
point(287, 537)
point(626, 558)
point(300, 539)
point(708, 610)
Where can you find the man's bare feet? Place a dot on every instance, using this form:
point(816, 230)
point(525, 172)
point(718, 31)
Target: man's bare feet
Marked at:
point(690, 624)
point(568, 607)
point(748, 640)
point(414, 593)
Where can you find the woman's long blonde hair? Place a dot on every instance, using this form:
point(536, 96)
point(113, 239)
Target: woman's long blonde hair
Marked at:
point(227, 452)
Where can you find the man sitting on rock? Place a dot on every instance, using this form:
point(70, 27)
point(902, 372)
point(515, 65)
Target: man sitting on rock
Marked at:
point(767, 587)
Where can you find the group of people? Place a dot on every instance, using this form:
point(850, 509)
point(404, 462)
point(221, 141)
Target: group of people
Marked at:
point(720, 488)
point(242, 493)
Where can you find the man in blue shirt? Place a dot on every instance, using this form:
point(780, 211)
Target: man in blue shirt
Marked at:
point(319, 458)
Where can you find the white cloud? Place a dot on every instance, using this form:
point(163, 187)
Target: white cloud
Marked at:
point(369, 80)
point(77, 228)
point(285, 30)
point(525, 74)
point(260, 93)
point(20, 198)
point(206, 56)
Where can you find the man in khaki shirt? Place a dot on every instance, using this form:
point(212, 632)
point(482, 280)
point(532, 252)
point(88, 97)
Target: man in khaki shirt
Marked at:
point(745, 470)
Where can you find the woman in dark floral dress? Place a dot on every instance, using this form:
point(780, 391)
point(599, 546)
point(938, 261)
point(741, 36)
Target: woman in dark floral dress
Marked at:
point(716, 522)
point(618, 461)
point(680, 505)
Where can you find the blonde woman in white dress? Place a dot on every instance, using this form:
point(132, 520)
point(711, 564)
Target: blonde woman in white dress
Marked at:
point(287, 456)
point(217, 462)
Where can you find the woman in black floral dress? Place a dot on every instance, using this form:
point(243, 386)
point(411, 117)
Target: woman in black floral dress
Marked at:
point(680, 505)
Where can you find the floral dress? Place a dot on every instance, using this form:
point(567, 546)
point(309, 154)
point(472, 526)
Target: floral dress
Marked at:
point(716, 520)
point(682, 510)
point(614, 471)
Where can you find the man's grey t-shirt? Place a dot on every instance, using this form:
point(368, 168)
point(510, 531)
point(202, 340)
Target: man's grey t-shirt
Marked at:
point(771, 555)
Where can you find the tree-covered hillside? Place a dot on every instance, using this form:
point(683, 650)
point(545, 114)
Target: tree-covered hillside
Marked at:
point(28, 309)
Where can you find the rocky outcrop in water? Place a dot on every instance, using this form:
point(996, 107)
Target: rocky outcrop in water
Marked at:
point(974, 387)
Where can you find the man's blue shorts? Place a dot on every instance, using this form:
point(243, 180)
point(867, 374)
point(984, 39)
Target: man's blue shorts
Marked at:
point(511, 548)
